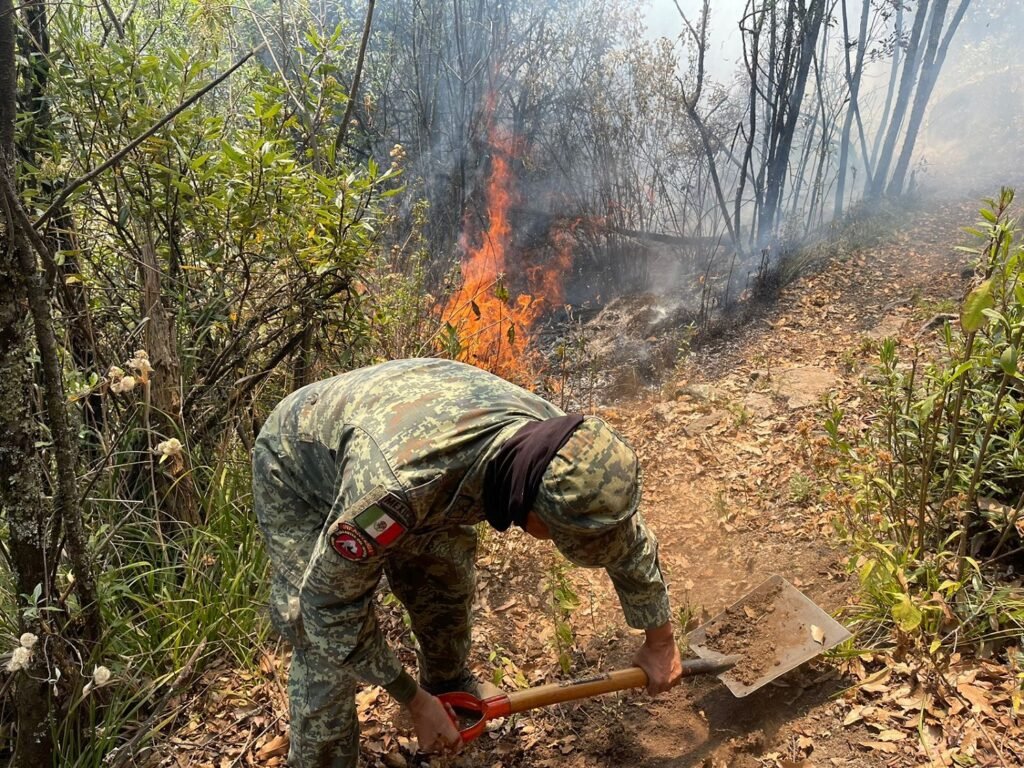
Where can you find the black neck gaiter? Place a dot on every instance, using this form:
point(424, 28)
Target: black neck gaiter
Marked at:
point(512, 478)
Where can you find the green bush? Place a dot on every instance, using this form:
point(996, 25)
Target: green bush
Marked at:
point(168, 605)
point(932, 493)
point(274, 257)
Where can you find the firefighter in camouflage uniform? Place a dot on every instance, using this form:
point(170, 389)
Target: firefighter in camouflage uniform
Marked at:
point(385, 470)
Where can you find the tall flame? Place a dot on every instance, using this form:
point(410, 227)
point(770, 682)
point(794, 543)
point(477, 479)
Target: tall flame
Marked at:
point(492, 330)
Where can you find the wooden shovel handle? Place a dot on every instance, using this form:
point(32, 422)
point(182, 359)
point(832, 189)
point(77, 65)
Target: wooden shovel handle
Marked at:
point(556, 693)
point(619, 680)
point(504, 704)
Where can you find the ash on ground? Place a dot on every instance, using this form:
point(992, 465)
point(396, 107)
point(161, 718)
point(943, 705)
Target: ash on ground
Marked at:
point(616, 351)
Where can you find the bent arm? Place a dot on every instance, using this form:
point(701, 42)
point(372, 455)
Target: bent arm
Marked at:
point(338, 584)
point(338, 616)
point(636, 574)
point(629, 552)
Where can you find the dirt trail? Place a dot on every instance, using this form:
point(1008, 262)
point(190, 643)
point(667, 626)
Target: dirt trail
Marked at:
point(731, 494)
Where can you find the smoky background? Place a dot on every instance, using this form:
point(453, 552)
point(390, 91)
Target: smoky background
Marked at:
point(685, 148)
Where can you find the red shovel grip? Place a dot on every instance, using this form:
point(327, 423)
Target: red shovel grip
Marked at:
point(487, 709)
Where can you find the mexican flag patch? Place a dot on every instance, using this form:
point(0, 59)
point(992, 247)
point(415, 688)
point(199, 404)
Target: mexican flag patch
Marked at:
point(379, 525)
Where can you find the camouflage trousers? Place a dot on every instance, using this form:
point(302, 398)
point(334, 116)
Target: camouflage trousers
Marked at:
point(432, 574)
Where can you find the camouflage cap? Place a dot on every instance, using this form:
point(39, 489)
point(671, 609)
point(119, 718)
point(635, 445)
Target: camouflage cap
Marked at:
point(590, 487)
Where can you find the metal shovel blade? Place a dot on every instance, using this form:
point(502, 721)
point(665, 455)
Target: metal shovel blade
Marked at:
point(774, 628)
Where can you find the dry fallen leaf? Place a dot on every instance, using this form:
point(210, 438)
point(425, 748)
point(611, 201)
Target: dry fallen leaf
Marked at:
point(880, 746)
point(275, 747)
point(891, 734)
point(980, 699)
point(857, 714)
point(878, 682)
point(818, 634)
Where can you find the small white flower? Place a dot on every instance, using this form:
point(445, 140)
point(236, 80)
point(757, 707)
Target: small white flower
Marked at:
point(19, 659)
point(28, 640)
point(172, 447)
point(124, 384)
point(100, 676)
point(141, 362)
point(114, 373)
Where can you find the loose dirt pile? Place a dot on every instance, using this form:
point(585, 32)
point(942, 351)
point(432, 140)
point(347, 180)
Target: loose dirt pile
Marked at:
point(751, 629)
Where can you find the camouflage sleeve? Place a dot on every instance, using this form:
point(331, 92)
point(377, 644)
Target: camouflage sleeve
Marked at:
point(636, 575)
point(344, 569)
point(629, 552)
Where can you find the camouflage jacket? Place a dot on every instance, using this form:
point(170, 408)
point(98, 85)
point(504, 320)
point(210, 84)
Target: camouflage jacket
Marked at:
point(395, 450)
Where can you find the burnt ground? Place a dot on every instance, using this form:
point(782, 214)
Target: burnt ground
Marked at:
point(727, 444)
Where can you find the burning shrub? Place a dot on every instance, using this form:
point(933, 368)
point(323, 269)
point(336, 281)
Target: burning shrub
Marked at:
point(484, 325)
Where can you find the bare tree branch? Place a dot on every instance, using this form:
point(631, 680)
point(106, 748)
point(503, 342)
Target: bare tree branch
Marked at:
point(354, 90)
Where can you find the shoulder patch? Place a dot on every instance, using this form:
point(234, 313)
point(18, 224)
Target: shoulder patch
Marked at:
point(351, 543)
point(383, 520)
point(372, 523)
point(397, 508)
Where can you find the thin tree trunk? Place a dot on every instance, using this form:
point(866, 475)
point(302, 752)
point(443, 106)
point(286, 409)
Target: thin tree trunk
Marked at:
point(35, 57)
point(67, 514)
point(811, 24)
point(897, 49)
point(865, 155)
point(339, 142)
point(176, 500)
point(713, 169)
point(690, 103)
point(828, 129)
point(853, 76)
point(798, 173)
point(933, 60)
point(20, 496)
point(750, 59)
point(21, 490)
point(302, 363)
point(71, 296)
point(909, 77)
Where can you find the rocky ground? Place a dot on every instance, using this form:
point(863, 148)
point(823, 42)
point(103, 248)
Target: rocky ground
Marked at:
point(728, 443)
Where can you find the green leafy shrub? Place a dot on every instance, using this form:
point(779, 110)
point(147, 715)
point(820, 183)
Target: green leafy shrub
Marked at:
point(563, 602)
point(267, 248)
point(932, 492)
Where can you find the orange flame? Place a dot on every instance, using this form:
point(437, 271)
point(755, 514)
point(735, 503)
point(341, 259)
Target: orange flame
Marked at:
point(492, 330)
